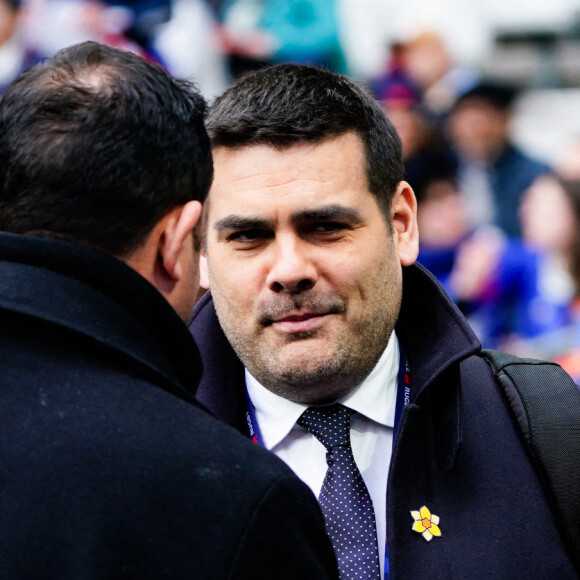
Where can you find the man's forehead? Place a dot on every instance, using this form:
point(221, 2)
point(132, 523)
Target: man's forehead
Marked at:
point(298, 155)
point(339, 161)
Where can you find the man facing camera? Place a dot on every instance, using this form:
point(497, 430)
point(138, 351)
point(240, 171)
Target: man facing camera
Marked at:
point(110, 469)
point(347, 360)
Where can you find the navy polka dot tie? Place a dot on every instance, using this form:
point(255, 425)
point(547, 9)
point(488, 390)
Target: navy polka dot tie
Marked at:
point(344, 499)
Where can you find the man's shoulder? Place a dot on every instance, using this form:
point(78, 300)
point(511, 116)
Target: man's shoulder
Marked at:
point(545, 405)
point(95, 407)
point(112, 444)
point(97, 303)
point(219, 442)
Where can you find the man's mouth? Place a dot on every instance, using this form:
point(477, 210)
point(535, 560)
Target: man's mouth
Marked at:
point(296, 315)
point(299, 322)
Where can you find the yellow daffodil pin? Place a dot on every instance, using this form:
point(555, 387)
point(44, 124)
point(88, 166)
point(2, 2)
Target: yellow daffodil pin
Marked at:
point(426, 523)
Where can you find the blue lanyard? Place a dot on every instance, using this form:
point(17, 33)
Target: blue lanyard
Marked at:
point(403, 396)
point(403, 390)
point(253, 428)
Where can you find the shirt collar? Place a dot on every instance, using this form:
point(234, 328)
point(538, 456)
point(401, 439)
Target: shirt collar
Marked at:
point(374, 398)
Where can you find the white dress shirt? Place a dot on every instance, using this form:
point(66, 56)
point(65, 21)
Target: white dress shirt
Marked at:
point(374, 401)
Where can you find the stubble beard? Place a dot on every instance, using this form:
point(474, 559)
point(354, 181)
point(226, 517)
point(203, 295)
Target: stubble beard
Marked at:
point(313, 374)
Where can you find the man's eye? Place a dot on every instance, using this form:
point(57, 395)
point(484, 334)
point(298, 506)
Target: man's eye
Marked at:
point(327, 227)
point(245, 236)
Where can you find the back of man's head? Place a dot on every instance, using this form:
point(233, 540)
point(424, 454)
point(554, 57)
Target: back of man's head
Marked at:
point(286, 104)
point(96, 145)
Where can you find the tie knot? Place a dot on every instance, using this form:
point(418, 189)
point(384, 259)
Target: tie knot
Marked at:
point(330, 425)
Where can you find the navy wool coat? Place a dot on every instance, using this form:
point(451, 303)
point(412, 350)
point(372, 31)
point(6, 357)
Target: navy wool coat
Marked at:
point(458, 450)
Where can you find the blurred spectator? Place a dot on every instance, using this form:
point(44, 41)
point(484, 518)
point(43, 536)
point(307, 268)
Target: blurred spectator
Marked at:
point(430, 64)
point(56, 24)
point(517, 293)
point(306, 31)
point(258, 32)
point(426, 153)
point(527, 296)
point(441, 217)
point(16, 54)
point(461, 257)
point(551, 227)
point(394, 87)
point(244, 41)
point(493, 172)
point(369, 26)
point(189, 47)
point(146, 17)
point(400, 97)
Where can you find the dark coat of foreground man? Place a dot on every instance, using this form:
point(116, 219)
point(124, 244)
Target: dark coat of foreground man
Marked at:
point(109, 469)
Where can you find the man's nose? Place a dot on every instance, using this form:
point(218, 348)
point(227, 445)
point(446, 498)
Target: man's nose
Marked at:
point(292, 269)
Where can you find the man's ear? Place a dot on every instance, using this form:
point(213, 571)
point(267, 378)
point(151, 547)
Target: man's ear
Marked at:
point(404, 219)
point(180, 224)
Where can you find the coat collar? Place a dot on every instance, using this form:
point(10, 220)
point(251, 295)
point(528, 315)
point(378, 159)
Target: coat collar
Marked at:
point(222, 387)
point(98, 296)
point(436, 337)
point(432, 330)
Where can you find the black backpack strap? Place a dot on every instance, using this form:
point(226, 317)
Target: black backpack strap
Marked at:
point(546, 405)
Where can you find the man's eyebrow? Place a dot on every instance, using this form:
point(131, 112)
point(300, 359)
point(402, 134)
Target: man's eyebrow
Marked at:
point(329, 212)
point(238, 222)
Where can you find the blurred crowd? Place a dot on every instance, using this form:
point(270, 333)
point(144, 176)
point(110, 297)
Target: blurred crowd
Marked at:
point(499, 228)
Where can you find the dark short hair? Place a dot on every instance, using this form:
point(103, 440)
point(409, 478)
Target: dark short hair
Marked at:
point(289, 103)
point(96, 145)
